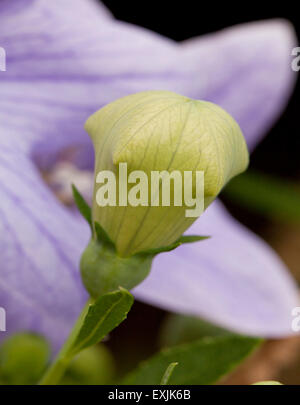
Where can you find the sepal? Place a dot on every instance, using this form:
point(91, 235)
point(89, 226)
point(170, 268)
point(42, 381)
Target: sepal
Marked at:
point(103, 270)
point(82, 205)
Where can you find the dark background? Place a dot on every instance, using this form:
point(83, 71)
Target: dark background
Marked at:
point(278, 154)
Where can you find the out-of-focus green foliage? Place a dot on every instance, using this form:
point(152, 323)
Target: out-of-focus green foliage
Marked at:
point(203, 361)
point(92, 366)
point(274, 198)
point(184, 329)
point(23, 358)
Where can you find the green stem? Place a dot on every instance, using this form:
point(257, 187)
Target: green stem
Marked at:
point(57, 369)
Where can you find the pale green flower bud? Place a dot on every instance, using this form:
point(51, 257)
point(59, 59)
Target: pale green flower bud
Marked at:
point(160, 131)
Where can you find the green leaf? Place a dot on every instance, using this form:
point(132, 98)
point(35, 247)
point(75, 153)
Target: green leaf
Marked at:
point(82, 206)
point(23, 358)
point(94, 323)
point(103, 316)
point(183, 239)
point(276, 199)
point(191, 238)
point(156, 251)
point(179, 328)
point(201, 362)
point(168, 373)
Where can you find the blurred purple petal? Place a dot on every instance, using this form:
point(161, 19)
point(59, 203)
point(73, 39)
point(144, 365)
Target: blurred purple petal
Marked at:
point(233, 279)
point(40, 245)
point(62, 66)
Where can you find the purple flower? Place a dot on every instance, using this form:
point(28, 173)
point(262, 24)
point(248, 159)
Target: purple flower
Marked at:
point(64, 61)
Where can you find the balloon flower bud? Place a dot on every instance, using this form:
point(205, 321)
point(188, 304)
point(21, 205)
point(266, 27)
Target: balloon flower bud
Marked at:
point(161, 159)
